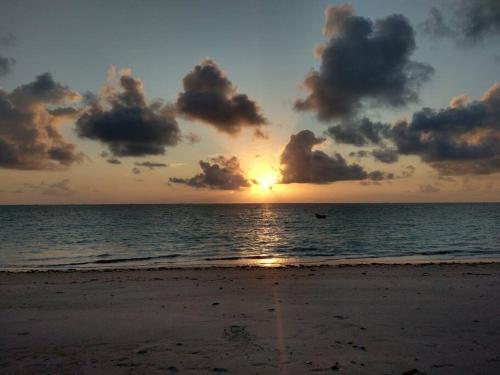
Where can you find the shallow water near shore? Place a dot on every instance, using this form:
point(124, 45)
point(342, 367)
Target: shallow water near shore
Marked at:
point(112, 236)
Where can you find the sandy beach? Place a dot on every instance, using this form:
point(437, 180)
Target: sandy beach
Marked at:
point(364, 319)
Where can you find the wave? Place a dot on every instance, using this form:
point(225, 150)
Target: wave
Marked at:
point(241, 257)
point(118, 260)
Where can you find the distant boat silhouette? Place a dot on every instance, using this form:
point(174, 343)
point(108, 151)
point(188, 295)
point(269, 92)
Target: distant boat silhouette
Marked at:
point(320, 216)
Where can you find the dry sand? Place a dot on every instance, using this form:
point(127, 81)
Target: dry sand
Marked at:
point(435, 319)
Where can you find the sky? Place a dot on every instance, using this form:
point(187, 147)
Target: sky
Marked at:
point(249, 101)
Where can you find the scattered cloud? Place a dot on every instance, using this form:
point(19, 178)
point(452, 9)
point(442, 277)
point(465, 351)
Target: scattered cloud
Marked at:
point(428, 188)
point(359, 154)
point(408, 171)
point(8, 40)
point(122, 120)
point(219, 173)
point(457, 140)
point(385, 155)
point(209, 96)
point(6, 63)
point(151, 164)
point(29, 121)
point(465, 21)
point(192, 138)
point(363, 61)
point(113, 161)
point(57, 188)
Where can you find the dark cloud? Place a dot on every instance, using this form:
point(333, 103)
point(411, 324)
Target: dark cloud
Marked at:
point(301, 164)
point(359, 154)
point(151, 165)
point(114, 161)
point(6, 65)
point(219, 173)
point(359, 132)
point(380, 175)
point(465, 21)
point(209, 96)
point(363, 61)
point(29, 121)
point(385, 155)
point(376, 177)
point(123, 120)
point(461, 139)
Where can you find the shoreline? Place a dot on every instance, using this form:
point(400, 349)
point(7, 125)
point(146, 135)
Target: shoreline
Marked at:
point(362, 319)
point(261, 262)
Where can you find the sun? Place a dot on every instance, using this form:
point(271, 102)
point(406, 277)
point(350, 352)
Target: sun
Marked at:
point(265, 179)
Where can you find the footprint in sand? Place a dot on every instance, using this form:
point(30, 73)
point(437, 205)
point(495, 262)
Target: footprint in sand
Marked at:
point(236, 333)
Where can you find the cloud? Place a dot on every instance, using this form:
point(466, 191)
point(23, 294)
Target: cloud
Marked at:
point(151, 165)
point(59, 188)
point(136, 170)
point(380, 175)
point(122, 120)
point(363, 61)
point(6, 65)
point(29, 121)
point(359, 132)
point(408, 171)
point(428, 188)
point(209, 96)
point(359, 154)
point(301, 164)
point(192, 138)
point(219, 173)
point(8, 40)
point(382, 154)
point(465, 21)
point(457, 140)
point(385, 155)
point(114, 161)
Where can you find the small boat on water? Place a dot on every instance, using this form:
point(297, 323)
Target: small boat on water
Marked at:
point(320, 216)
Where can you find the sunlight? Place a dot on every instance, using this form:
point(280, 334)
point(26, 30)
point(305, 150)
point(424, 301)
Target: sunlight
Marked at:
point(265, 178)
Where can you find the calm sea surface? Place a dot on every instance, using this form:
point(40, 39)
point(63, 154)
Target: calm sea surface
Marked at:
point(154, 235)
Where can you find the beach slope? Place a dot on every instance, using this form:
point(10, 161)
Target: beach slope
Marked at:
point(365, 319)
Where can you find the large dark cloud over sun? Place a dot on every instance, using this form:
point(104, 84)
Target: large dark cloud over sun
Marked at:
point(219, 173)
point(209, 96)
point(30, 116)
point(123, 120)
point(301, 164)
point(363, 61)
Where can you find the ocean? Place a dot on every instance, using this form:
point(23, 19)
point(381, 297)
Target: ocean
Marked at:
point(124, 236)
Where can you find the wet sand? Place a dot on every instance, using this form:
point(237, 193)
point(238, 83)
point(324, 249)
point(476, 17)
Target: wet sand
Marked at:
point(364, 319)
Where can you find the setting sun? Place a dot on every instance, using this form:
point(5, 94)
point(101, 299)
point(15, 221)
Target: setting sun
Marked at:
point(265, 179)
